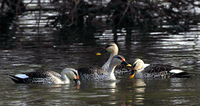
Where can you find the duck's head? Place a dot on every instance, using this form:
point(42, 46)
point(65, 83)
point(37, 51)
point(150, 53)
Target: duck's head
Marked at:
point(138, 66)
point(73, 75)
point(117, 60)
point(111, 48)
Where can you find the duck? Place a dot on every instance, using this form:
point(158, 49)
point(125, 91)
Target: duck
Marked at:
point(96, 74)
point(141, 70)
point(47, 77)
point(113, 49)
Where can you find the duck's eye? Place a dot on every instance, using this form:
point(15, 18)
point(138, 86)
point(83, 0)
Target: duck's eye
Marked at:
point(108, 46)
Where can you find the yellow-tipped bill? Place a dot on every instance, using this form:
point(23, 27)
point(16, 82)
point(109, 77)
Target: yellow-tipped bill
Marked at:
point(133, 71)
point(128, 65)
point(132, 76)
point(98, 54)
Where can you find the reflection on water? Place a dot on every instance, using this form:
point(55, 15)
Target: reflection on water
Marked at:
point(140, 91)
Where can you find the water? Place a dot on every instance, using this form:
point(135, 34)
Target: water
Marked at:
point(78, 48)
point(181, 50)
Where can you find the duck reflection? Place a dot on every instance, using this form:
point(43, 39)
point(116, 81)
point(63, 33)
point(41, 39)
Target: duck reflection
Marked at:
point(136, 94)
point(47, 87)
point(110, 86)
point(102, 92)
point(139, 90)
point(176, 84)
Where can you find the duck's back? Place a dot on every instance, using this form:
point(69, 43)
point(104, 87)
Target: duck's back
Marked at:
point(157, 68)
point(90, 73)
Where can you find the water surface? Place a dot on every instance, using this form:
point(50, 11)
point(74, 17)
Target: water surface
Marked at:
point(180, 50)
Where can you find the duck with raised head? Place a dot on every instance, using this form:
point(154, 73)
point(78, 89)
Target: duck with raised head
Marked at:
point(100, 74)
point(47, 77)
point(112, 48)
point(142, 70)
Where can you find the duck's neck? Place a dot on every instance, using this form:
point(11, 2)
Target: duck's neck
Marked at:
point(106, 65)
point(64, 77)
point(111, 70)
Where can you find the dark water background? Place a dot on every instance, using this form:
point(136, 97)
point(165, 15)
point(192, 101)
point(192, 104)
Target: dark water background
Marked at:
point(34, 46)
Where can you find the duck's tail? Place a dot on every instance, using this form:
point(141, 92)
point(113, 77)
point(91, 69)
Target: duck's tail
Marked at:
point(16, 79)
point(180, 75)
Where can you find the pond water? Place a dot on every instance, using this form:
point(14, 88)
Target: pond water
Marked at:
point(180, 50)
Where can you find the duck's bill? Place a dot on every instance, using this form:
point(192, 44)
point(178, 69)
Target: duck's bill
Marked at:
point(133, 71)
point(98, 54)
point(101, 52)
point(126, 64)
point(77, 81)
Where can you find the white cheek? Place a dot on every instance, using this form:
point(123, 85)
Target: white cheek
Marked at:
point(71, 75)
point(176, 71)
point(110, 50)
point(23, 76)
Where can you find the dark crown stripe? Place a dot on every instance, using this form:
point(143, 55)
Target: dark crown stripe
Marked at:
point(119, 57)
point(75, 73)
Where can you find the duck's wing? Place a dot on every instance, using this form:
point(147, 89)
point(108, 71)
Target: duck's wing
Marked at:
point(157, 68)
point(38, 74)
point(85, 70)
point(90, 73)
point(54, 74)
